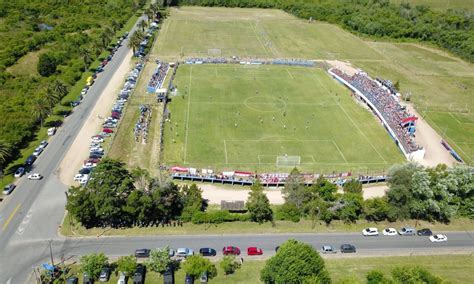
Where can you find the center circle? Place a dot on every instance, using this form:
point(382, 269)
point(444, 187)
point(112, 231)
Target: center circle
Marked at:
point(265, 103)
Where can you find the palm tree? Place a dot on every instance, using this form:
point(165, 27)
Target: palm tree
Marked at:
point(54, 93)
point(115, 25)
point(41, 110)
point(142, 24)
point(150, 15)
point(86, 56)
point(5, 154)
point(135, 40)
point(154, 8)
point(52, 99)
point(59, 88)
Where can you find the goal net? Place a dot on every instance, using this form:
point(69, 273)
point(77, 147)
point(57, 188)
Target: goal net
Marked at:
point(214, 52)
point(288, 161)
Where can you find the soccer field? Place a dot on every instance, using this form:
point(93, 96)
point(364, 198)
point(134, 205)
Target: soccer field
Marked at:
point(246, 116)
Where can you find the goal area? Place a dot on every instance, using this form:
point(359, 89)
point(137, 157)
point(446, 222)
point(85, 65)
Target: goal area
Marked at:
point(288, 161)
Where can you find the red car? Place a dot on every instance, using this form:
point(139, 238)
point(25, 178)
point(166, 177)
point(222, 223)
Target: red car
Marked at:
point(254, 251)
point(107, 130)
point(231, 250)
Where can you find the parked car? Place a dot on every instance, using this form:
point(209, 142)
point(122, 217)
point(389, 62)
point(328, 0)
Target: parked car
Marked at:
point(19, 172)
point(95, 156)
point(254, 251)
point(139, 276)
point(142, 253)
point(438, 238)
point(424, 232)
point(188, 279)
point(390, 232)
point(86, 279)
point(184, 252)
point(207, 252)
point(104, 274)
point(51, 131)
point(72, 280)
point(85, 171)
point(168, 276)
point(123, 279)
point(8, 188)
point(38, 151)
point(43, 144)
point(231, 250)
point(370, 232)
point(328, 249)
point(35, 176)
point(97, 139)
point(30, 160)
point(107, 130)
point(407, 231)
point(347, 248)
point(78, 177)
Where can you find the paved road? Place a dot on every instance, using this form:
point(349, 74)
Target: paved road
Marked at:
point(34, 210)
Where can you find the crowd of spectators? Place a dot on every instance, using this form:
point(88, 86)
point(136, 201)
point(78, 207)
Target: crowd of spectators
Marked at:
point(158, 76)
point(251, 61)
point(266, 178)
point(141, 127)
point(386, 103)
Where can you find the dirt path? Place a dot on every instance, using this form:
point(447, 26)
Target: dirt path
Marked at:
point(427, 137)
point(79, 150)
point(215, 193)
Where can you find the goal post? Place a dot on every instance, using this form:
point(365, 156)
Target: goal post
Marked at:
point(288, 161)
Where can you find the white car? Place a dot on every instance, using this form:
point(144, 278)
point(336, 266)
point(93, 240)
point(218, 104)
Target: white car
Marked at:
point(43, 144)
point(184, 252)
point(438, 238)
point(84, 180)
point(96, 149)
point(35, 176)
point(38, 151)
point(370, 232)
point(390, 232)
point(97, 139)
point(89, 165)
point(51, 131)
point(78, 177)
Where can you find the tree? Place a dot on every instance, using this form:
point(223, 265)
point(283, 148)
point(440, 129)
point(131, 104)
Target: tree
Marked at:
point(86, 56)
point(192, 201)
point(149, 15)
point(115, 25)
point(127, 264)
point(142, 24)
point(407, 274)
point(352, 207)
point(47, 64)
point(135, 40)
point(229, 264)
point(377, 277)
point(80, 206)
point(41, 110)
point(196, 265)
point(353, 186)
point(259, 205)
point(288, 211)
point(52, 99)
point(93, 263)
point(295, 262)
point(324, 188)
point(160, 260)
point(58, 88)
point(5, 154)
point(376, 209)
point(317, 208)
point(294, 190)
point(106, 36)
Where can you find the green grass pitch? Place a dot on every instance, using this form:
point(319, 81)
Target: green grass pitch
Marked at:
point(245, 116)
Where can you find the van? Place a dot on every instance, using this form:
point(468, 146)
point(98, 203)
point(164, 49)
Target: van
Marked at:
point(407, 231)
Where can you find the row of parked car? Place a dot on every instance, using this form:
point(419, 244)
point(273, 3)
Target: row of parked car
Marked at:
point(406, 231)
point(96, 151)
point(8, 189)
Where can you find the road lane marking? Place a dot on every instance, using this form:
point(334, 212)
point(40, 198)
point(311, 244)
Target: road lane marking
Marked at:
point(11, 217)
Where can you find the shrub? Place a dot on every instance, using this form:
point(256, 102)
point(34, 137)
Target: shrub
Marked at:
point(288, 212)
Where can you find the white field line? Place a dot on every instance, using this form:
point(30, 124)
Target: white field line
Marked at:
point(312, 157)
point(340, 152)
point(225, 152)
point(360, 130)
point(187, 116)
point(258, 38)
point(290, 74)
point(259, 163)
point(165, 34)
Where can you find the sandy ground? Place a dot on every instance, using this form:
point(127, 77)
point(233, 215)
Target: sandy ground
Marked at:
point(343, 66)
point(215, 193)
point(427, 137)
point(79, 150)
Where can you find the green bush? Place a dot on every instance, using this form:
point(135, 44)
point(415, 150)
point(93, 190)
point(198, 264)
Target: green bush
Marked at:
point(288, 212)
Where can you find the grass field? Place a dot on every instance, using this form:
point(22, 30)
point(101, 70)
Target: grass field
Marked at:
point(441, 5)
point(228, 117)
point(72, 228)
point(452, 268)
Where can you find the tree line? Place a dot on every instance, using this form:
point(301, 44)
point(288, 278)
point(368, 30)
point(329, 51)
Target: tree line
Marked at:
point(451, 29)
point(65, 37)
point(415, 192)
